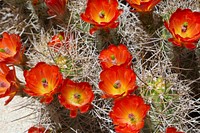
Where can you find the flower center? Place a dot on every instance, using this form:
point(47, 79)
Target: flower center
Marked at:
point(117, 84)
point(102, 14)
point(44, 83)
point(2, 84)
point(114, 62)
point(2, 50)
point(184, 27)
point(5, 50)
point(132, 118)
point(60, 37)
point(112, 57)
point(77, 96)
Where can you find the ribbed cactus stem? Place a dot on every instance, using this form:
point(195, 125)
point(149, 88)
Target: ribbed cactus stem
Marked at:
point(150, 21)
point(16, 2)
point(147, 125)
point(105, 38)
point(185, 63)
point(46, 20)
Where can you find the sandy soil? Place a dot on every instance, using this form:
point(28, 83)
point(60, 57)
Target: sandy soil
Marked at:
point(16, 117)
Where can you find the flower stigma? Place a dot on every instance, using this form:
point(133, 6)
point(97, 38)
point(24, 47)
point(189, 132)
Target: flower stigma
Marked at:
point(117, 84)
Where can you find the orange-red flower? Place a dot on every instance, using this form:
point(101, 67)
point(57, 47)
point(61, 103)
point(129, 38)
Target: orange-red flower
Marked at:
point(128, 114)
point(115, 55)
point(35, 2)
point(117, 81)
point(9, 84)
point(56, 7)
point(143, 5)
point(172, 130)
point(39, 129)
point(11, 50)
point(57, 41)
point(60, 40)
point(76, 96)
point(184, 25)
point(43, 81)
point(101, 14)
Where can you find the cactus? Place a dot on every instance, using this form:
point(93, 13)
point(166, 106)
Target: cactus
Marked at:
point(160, 86)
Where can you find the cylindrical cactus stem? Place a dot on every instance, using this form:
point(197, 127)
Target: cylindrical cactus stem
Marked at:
point(147, 125)
point(16, 2)
point(20, 4)
point(40, 10)
point(185, 63)
point(150, 21)
point(105, 38)
point(50, 13)
point(147, 21)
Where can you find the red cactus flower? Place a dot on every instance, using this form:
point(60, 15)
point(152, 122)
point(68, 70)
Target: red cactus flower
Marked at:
point(143, 5)
point(43, 81)
point(76, 96)
point(9, 84)
point(35, 2)
point(57, 41)
point(128, 114)
point(39, 129)
point(56, 7)
point(60, 40)
point(184, 25)
point(117, 81)
point(101, 14)
point(11, 50)
point(172, 130)
point(115, 55)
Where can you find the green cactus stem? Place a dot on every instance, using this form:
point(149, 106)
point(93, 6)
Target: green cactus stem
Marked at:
point(46, 21)
point(105, 38)
point(150, 21)
point(185, 64)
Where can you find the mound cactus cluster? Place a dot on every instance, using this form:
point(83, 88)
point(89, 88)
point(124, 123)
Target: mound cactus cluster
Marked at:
point(129, 86)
